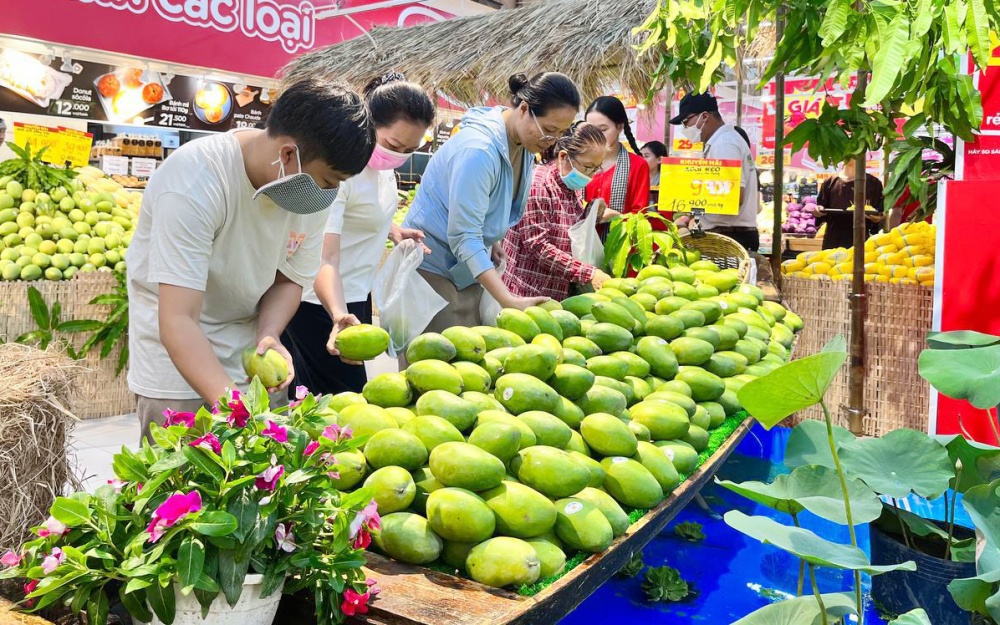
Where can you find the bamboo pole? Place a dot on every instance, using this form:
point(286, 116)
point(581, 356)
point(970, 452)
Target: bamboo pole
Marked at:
point(779, 155)
point(859, 303)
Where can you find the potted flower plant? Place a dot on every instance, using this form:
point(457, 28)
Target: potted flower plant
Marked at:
point(223, 511)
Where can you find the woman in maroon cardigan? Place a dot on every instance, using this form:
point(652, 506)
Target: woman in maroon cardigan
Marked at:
point(539, 257)
point(623, 182)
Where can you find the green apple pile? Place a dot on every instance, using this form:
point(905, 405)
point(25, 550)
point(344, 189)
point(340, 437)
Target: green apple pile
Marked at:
point(500, 451)
point(51, 233)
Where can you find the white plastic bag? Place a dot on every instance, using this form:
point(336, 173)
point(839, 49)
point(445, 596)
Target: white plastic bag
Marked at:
point(489, 307)
point(406, 303)
point(584, 240)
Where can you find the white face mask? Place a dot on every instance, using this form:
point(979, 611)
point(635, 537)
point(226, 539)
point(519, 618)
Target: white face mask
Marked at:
point(691, 133)
point(297, 193)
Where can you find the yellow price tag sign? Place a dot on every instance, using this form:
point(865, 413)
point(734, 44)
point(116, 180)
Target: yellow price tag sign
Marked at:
point(64, 144)
point(699, 184)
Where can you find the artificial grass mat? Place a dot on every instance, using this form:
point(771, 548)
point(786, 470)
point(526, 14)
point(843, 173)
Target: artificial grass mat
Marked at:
point(716, 439)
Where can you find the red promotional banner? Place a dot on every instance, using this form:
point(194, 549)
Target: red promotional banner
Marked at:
point(249, 37)
point(804, 99)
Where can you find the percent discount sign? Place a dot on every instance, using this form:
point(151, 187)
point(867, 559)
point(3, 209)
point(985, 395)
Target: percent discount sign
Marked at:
point(700, 184)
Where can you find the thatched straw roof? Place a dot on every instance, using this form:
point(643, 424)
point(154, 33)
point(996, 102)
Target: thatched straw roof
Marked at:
point(590, 40)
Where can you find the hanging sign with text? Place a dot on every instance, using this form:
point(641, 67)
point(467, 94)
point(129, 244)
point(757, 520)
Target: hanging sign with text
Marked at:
point(700, 185)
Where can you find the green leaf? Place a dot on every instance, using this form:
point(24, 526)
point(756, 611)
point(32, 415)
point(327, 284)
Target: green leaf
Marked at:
point(39, 311)
point(98, 607)
point(835, 21)
point(172, 461)
point(977, 27)
point(809, 444)
point(802, 611)
point(190, 562)
point(978, 461)
point(228, 455)
point(808, 546)
point(161, 599)
point(36, 336)
point(70, 511)
point(199, 458)
point(274, 576)
point(79, 325)
point(135, 603)
point(244, 509)
point(644, 242)
point(971, 374)
point(983, 505)
point(137, 583)
point(889, 60)
point(791, 387)
point(813, 488)
point(978, 594)
point(231, 575)
point(620, 261)
point(961, 339)
point(215, 523)
point(914, 617)
point(898, 463)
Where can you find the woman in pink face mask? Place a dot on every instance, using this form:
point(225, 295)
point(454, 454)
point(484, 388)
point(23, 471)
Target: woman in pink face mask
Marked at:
point(360, 221)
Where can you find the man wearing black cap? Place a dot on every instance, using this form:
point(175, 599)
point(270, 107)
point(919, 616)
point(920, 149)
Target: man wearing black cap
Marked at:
point(699, 121)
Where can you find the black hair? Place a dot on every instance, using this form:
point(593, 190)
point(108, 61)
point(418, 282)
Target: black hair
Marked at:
point(328, 121)
point(612, 108)
point(391, 98)
point(743, 133)
point(657, 148)
point(544, 91)
point(574, 141)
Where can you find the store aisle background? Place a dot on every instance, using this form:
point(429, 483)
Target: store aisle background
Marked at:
point(96, 441)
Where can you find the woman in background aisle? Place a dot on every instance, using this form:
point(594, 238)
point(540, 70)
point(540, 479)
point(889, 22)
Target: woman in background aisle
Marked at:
point(360, 220)
point(475, 189)
point(654, 152)
point(539, 254)
point(623, 182)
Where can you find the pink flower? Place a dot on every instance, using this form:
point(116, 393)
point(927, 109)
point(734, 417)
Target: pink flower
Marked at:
point(28, 589)
point(239, 416)
point(284, 537)
point(138, 488)
point(354, 603)
point(372, 588)
point(52, 561)
point(52, 527)
point(365, 522)
point(208, 442)
point(268, 480)
point(172, 417)
point(311, 448)
point(117, 484)
point(276, 432)
point(336, 433)
point(301, 392)
point(10, 559)
point(362, 540)
point(175, 508)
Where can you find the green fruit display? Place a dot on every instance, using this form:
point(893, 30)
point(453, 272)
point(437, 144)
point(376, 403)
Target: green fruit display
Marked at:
point(580, 525)
point(580, 305)
point(568, 412)
point(697, 437)
point(659, 465)
point(401, 416)
point(552, 472)
point(474, 377)
point(395, 448)
point(459, 515)
point(630, 483)
point(408, 538)
point(433, 431)
point(545, 321)
point(602, 399)
point(608, 366)
point(608, 435)
point(434, 375)
point(682, 455)
point(431, 346)
point(388, 390)
point(459, 412)
point(637, 367)
point(571, 381)
point(665, 327)
point(454, 554)
point(616, 314)
point(342, 400)
point(660, 356)
point(271, 367)
point(497, 337)
point(701, 418)
point(568, 323)
point(351, 467)
point(691, 351)
point(469, 345)
point(586, 347)
point(462, 465)
point(520, 511)
point(519, 323)
point(610, 337)
point(498, 416)
point(425, 484)
point(549, 430)
point(593, 466)
point(535, 360)
point(520, 392)
point(503, 561)
point(640, 431)
point(705, 386)
point(664, 420)
point(604, 502)
point(361, 342)
point(392, 489)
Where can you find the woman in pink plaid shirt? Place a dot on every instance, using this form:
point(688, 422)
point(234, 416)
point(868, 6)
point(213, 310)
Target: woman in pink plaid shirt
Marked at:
point(539, 257)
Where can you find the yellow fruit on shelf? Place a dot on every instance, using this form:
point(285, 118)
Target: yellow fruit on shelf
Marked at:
point(887, 249)
point(821, 268)
point(898, 271)
point(923, 260)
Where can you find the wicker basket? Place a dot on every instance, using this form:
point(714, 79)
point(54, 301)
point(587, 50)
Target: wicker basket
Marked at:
point(899, 318)
point(720, 249)
point(100, 392)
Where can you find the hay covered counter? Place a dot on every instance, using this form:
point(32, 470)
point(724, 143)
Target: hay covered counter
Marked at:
point(516, 468)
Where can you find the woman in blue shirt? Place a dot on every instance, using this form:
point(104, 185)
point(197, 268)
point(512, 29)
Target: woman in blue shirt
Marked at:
point(475, 189)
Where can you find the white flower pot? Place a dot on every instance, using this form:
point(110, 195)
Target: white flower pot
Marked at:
point(251, 609)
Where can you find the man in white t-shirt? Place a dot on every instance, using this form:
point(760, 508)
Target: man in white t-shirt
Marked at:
point(700, 121)
point(230, 231)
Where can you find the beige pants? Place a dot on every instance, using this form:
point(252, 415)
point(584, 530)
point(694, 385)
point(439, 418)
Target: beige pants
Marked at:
point(150, 409)
point(463, 305)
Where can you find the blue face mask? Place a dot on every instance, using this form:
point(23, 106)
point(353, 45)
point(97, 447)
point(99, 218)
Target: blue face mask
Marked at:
point(575, 179)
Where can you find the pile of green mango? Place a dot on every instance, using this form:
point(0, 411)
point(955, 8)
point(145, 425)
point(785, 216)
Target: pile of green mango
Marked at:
point(501, 450)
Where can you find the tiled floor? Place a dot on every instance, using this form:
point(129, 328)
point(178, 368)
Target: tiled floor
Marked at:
point(95, 441)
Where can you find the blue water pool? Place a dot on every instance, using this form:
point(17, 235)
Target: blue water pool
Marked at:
point(734, 575)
